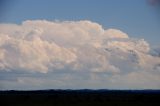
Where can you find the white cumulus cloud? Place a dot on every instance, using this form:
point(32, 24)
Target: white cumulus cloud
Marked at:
point(80, 52)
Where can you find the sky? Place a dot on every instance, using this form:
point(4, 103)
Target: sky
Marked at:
point(78, 44)
point(135, 17)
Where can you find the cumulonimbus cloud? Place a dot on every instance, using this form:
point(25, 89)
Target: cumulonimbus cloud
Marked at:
point(41, 46)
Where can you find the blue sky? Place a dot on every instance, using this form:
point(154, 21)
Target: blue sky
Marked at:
point(75, 52)
point(135, 17)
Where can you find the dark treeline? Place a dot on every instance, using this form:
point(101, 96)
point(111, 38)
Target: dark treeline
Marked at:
point(80, 98)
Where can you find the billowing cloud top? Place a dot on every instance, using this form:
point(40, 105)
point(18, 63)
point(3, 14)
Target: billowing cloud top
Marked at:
point(43, 54)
